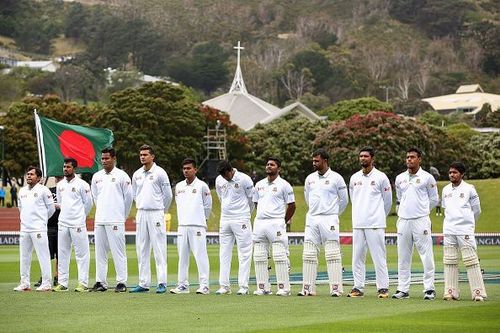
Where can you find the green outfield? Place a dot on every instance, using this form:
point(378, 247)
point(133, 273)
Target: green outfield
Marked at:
point(103, 312)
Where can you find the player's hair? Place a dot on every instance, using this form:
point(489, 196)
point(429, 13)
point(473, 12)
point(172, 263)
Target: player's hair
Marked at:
point(223, 167)
point(369, 149)
point(189, 160)
point(38, 171)
point(109, 150)
point(415, 150)
point(275, 160)
point(71, 160)
point(321, 152)
point(459, 166)
point(147, 147)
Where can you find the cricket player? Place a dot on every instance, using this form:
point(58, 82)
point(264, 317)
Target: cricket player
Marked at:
point(325, 194)
point(112, 193)
point(194, 204)
point(462, 209)
point(75, 201)
point(235, 191)
point(371, 198)
point(275, 202)
point(417, 195)
point(153, 195)
point(36, 205)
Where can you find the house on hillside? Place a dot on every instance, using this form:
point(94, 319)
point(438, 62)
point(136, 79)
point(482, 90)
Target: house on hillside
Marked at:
point(468, 98)
point(246, 110)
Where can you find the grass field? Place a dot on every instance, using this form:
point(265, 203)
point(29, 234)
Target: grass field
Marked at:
point(110, 312)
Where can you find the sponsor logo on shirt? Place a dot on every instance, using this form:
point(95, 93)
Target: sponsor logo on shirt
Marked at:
point(372, 183)
point(278, 233)
point(151, 177)
point(426, 232)
point(78, 229)
point(35, 195)
point(236, 185)
point(387, 189)
point(275, 189)
point(115, 227)
point(38, 236)
point(73, 189)
point(243, 226)
point(158, 224)
point(327, 182)
point(198, 233)
point(467, 237)
point(462, 195)
point(113, 180)
point(418, 181)
point(332, 227)
point(194, 190)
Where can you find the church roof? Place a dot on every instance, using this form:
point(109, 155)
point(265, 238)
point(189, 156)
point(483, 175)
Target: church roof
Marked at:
point(246, 110)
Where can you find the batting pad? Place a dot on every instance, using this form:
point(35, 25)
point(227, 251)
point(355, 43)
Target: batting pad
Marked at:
point(309, 266)
point(450, 260)
point(261, 263)
point(281, 262)
point(471, 262)
point(334, 265)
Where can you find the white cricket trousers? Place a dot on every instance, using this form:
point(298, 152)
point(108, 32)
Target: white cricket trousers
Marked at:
point(193, 239)
point(79, 238)
point(39, 241)
point(241, 232)
point(373, 240)
point(110, 237)
point(151, 233)
point(415, 232)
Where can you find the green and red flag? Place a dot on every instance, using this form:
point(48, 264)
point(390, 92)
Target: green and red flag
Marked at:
point(58, 140)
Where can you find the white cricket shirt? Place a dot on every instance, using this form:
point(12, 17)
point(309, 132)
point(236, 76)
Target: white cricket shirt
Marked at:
point(371, 198)
point(272, 198)
point(325, 194)
point(75, 200)
point(36, 205)
point(152, 189)
point(417, 194)
point(194, 203)
point(235, 196)
point(460, 204)
point(112, 194)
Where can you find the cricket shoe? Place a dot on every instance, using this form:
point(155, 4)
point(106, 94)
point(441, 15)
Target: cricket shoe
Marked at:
point(429, 295)
point(355, 292)
point(223, 290)
point(38, 283)
point(283, 292)
point(203, 290)
point(401, 295)
point(242, 291)
point(44, 288)
point(305, 292)
point(383, 293)
point(120, 288)
point(139, 289)
point(336, 293)
point(451, 295)
point(161, 289)
point(81, 288)
point(262, 292)
point(478, 298)
point(98, 286)
point(60, 288)
point(180, 289)
point(22, 287)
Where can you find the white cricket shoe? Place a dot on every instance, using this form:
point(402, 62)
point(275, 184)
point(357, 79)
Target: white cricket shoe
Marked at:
point(223, 290)
point(203, 290)
point(242, 291)
point(180, 289)
point(44, 288)
point(336, 293)
point(430, 295)
point(451, 297)
point(262, 292)
point(305, 292)
point(283, 292)
point(478, 298)
point(22, 287)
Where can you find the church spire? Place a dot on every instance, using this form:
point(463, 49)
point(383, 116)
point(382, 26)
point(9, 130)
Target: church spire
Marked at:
point(238, 85)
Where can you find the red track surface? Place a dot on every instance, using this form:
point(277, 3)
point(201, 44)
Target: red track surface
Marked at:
point(9, 221)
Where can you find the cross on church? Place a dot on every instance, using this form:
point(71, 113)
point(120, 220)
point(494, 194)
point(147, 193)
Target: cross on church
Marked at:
point(239, 48)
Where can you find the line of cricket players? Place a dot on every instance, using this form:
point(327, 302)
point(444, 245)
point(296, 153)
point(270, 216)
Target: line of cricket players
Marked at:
point(326, 195)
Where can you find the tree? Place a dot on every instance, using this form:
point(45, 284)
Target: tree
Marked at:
point(162, 115)
point(484, 160)
point(345, 109)
point(76, 20)
point(317, 64)
point(389, 134)
point(289, 138)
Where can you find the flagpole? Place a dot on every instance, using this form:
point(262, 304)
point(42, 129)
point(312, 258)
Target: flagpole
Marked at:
point(39, 139)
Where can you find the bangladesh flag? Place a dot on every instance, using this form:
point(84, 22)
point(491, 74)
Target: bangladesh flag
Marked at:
point(58, 140)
